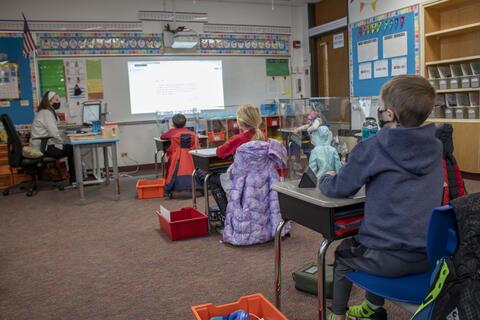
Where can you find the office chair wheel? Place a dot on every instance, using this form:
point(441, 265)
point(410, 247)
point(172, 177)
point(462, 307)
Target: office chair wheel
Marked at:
point(29, 193)
point(61, 188)
point(170, 196)
point(6, 192)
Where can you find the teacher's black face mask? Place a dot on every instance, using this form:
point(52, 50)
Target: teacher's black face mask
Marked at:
point(56, 105)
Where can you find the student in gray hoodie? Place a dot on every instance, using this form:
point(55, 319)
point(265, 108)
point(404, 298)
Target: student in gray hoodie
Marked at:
point(402, 169)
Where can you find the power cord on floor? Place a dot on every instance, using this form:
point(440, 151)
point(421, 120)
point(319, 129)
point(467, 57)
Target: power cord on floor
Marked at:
point(129, 173)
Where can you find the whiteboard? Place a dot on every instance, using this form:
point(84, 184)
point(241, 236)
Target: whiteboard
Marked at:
point(244, 81)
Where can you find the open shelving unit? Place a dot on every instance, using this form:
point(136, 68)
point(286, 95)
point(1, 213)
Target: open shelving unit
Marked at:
point(451, 61)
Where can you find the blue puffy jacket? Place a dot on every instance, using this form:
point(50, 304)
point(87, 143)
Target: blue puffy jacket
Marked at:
point(323, 157)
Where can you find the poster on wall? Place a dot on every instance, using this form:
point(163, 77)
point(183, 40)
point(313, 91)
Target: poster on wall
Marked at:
point(94, 80)
point(338, 41)
point(18, 80)
point(380, 69)
point(9, 83)
point(76, 81)
point(365, 70)
point(367, 50)
point(395, 45)
point(390, 42)
point(52, 77)
point(399, 66)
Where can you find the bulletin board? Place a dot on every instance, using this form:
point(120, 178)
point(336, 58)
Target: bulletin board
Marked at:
point(382, 47)
point(20, 109)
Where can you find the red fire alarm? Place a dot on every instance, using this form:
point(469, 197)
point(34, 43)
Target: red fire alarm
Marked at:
point(296, 44)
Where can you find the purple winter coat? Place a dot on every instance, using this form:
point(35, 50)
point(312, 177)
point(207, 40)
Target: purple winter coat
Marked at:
point(253, 210)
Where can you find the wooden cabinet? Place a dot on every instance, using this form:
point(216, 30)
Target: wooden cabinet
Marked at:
point(9, 176)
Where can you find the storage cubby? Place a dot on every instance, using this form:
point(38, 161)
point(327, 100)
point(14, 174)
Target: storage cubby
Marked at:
point(451, 42)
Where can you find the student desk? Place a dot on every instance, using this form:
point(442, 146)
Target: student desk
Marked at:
point(207, 161)
point(160, 146)
point(96, 141)
point(310, 208)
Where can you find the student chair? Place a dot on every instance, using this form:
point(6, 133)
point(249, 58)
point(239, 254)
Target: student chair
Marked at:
point(412, 289)
point(33, 167)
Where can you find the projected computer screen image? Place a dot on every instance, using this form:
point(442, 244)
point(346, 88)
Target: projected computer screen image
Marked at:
point(91, 112)
point(167, 86)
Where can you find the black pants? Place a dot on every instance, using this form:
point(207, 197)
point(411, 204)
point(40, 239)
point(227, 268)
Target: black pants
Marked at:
point(67, 151)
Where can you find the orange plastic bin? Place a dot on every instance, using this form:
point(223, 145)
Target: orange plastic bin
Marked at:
point(256, 304)
point(149, 189)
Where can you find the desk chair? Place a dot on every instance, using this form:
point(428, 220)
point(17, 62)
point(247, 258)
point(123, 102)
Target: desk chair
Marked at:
point(412, 289)
point(32, 167)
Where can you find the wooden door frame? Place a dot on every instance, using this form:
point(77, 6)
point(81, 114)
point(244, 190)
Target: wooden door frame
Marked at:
point(314, 51)
point(324, 46)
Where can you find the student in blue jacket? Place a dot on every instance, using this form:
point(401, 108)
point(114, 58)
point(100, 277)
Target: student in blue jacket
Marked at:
point(323, 157)
point(401, 167)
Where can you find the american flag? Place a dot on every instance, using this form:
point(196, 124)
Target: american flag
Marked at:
point(28, 42)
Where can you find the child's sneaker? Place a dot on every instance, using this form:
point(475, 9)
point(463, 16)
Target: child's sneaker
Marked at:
point(364, 312)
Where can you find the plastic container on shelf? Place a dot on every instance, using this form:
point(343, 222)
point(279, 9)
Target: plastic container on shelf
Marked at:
point(255, 304)
point(183, 224)
point(268, 109)
point(465, 82)
point(449, 113)
point(475, 81)
point(460, 113)
point(273, 121)
point(443, 84)
point(216, 136)
point(454, 83)
point(149, 189)
point(472, 112)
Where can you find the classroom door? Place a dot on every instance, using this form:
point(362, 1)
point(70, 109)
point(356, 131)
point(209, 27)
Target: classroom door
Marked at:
point(332, 62)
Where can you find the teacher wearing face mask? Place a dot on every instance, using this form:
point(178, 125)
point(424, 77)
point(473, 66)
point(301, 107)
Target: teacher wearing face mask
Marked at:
point(45, 125)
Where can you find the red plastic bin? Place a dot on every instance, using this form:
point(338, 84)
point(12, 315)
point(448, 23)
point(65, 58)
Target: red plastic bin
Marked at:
point(256, 304)
point(149, 189)
point(184, 223)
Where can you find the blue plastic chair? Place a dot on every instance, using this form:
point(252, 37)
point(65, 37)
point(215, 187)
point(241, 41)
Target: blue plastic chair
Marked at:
point(412, 289)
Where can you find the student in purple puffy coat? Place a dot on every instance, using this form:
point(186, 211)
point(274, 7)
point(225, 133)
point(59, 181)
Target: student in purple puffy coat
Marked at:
point(253, 210)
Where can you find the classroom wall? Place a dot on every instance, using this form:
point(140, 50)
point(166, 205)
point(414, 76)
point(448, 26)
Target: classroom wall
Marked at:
point(137, 140)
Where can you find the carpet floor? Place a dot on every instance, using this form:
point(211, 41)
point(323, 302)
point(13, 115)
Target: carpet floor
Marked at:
point(105, 259)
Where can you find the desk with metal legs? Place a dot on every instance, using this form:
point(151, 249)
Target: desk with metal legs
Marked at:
point(96, 142)
point(310, 208)
point(160, 146)
point(207, 161)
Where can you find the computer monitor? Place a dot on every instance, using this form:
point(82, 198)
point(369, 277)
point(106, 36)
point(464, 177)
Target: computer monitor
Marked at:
point(91, 112)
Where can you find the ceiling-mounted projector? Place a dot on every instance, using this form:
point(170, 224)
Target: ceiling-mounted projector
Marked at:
point(180, 40)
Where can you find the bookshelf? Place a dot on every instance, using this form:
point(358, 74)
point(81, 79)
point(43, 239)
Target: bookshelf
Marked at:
point(451, 62)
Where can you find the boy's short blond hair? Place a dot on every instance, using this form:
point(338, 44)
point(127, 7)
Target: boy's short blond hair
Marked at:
point(411, 97)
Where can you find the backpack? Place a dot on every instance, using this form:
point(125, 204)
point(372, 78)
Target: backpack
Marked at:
point(453, 186)
point(455, 290)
